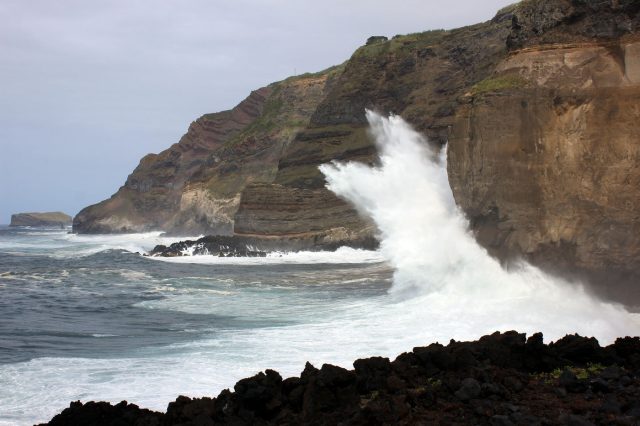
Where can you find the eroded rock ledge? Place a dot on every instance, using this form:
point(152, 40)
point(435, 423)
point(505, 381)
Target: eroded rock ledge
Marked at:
point(258, 246)
point(501, 379)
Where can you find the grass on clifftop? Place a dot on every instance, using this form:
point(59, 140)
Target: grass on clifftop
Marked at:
point(497, 83)
point(399, 43)
point(329, 72)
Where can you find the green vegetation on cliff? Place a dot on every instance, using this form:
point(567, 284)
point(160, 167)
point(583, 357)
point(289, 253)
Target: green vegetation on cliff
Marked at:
point(498, 83)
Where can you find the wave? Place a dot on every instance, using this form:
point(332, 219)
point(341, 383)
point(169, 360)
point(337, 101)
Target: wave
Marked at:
point(61, 244)
point(437, 261)
point(444, 286)
point(343, 255)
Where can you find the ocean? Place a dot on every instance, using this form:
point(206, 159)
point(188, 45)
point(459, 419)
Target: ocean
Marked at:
point(87, 317)
point(91, 318)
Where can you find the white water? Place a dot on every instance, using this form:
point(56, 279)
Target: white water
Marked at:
point(445, 286)
point(436, 259)
point(62, 244)
point(343, 255)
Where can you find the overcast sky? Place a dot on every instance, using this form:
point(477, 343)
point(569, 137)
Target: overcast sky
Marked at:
point(89, 87)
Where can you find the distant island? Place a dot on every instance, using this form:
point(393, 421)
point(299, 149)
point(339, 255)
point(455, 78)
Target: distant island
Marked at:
point(41, 219)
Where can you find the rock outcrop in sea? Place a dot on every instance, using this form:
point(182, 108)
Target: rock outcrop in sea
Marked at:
point(57, 219)
point(245, 246)
point(501, 379)
point(538, 108)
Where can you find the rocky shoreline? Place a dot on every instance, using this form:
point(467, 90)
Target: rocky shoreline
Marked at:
point(245, 246)
point(501, 379)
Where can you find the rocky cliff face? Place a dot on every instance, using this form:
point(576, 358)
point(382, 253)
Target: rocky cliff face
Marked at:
point(544, 154)
point(194, 186)
point(419, 76)
point(40, 219)
point(538, 106)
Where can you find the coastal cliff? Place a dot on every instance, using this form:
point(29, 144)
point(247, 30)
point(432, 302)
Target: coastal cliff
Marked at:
point(544, 154)
point(194, 186)
point(538, 108)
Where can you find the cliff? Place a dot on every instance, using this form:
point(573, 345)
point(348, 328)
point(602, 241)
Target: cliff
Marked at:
point(538, 107)
point(501, 379)
point(41, 219)
point(194, 186)
point(543, 154)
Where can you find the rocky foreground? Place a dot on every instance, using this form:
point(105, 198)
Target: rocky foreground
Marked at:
point(501, 379)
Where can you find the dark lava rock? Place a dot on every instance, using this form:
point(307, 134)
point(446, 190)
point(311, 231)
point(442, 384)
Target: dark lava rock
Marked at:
point(493, 381)
point(612, 372)
point(568, 378)
point(221, 246)
point(578, 349)
point(105, 414)
point(470, 389)
point(575, 420)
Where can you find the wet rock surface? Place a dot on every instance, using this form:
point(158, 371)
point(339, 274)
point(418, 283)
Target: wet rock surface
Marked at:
point(501, 379)
point(245, 246)
point(216, 246)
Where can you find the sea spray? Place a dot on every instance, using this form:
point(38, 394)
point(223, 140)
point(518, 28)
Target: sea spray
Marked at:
point(114, 325)
point(426, 239)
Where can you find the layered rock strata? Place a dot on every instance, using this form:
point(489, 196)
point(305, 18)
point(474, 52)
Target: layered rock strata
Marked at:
point(544, 155)
point(194, 186)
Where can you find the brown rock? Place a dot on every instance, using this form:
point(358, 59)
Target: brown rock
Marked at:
point(548, 169)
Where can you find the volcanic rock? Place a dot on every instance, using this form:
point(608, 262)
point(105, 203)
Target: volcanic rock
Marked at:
point(425, 386)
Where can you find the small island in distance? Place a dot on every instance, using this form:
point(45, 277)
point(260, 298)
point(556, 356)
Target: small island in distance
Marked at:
point(41, 219)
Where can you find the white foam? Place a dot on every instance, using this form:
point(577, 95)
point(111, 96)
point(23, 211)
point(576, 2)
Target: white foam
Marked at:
point(343, 255)
point(36, 390)
point(135, 275)
point(445, 286)
point(61, 244)
point(436, 259)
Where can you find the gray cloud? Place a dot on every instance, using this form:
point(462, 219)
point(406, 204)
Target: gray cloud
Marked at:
point(87, 88)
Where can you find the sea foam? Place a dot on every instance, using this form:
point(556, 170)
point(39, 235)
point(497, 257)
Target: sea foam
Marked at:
point(426, 238)
point(280, 316)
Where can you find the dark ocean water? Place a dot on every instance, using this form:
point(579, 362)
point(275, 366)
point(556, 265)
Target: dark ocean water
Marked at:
point(69, 304)
point(87, 317)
